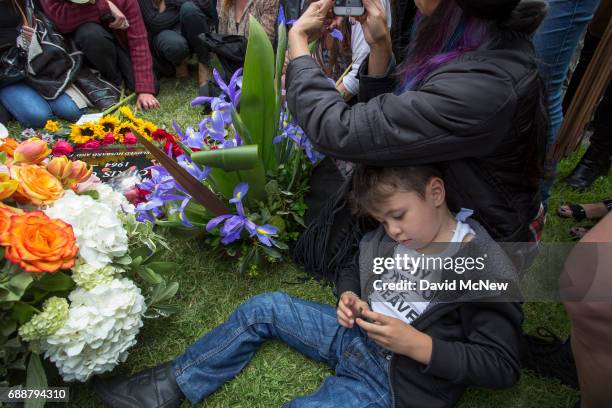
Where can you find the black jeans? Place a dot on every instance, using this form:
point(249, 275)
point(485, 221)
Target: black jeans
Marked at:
point(106, 55)
point(172, 46)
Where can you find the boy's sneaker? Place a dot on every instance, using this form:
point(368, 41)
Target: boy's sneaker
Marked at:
point(548, 356)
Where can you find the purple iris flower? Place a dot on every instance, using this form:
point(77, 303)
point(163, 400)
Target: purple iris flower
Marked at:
point(193, 139)
point(165, 192)
point(234, 224)
point(281, 16)
point(295, 133)
point(337, 34)
point(193, 168)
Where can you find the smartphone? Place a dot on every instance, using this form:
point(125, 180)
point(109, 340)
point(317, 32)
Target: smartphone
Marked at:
point(348, 8)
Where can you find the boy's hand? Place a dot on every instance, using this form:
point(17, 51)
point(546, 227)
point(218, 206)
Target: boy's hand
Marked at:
point(349, 308)
point(397, 336)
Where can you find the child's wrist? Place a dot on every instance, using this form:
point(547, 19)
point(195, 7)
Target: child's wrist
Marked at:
point(419, 348)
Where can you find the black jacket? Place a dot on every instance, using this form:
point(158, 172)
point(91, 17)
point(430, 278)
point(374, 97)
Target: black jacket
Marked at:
point(473, 116)
point(475, 334)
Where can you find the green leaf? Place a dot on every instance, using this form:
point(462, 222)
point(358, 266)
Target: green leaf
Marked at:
point(246, 261)
point(235, 158)
point(258, 98)
point(271, 252)
point(281, 245)
point(162, 267)
point(15, 288)
point(165, 292)
point(241, 128)
point(55, 282)
point(165, 310)
point(2, 157)
point(92, 193)
point(36, 379)
point(150, 276)
point(140, 252)
point(22, 312)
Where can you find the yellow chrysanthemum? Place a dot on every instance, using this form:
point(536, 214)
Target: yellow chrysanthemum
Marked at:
point(147, 130)
point(127, 113)
point(84, 133)
point(52, 126)
point(109, 123)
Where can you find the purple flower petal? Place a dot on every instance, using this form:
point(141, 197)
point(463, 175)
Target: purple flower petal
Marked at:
point(201, 100)
point(212, 224)
point(240, 191)
point(337, 34)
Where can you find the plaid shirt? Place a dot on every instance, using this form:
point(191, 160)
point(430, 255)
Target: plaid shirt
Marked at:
point(68, 17)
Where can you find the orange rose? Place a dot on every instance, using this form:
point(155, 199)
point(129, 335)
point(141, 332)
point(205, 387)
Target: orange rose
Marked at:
point(40, 244)
point(32, 151)
point(9, 146)
point(7, 186)
point(60, 167)
point(6, 213)
point(36, 185)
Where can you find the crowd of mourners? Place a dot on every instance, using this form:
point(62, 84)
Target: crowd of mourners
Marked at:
point(436, 127)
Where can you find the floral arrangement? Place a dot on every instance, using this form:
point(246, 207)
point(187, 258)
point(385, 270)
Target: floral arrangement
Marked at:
point(78, 272)
point(248, 152)
point(110, 129)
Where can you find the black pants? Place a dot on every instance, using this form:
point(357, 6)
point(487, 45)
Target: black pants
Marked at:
point(107, 55)
point(171, 47)
point(602, 122)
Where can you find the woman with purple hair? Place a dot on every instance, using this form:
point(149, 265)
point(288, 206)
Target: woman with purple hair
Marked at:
point(468, 97)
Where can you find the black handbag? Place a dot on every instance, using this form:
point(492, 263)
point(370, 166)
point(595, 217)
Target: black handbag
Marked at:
point(230, 49)
point(53, 70)
point(12, 65)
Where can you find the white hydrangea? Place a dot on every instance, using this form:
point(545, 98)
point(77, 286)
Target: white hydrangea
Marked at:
point(99, 232)
point(114, 199)
point(102, 325)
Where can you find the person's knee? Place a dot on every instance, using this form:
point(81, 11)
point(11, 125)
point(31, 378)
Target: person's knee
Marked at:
point(188, 10)
point(34, 118)
point(172, 46)
point(92, 37)
point(263, 306)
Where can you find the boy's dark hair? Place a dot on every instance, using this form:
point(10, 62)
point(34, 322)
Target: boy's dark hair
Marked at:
point(372, 184)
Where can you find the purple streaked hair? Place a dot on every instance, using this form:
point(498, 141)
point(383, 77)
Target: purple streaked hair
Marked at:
point(437, 39)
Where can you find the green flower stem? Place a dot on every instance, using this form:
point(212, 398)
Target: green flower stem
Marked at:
point(119, 104)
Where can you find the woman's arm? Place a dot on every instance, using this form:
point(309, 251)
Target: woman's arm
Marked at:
point(156, 21)
point(67, 16)
point(490, 355)
point(460, 111)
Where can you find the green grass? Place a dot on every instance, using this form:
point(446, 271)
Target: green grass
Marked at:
point(210, 288)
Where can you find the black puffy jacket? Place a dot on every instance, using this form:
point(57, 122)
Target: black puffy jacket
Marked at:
point(473, 115)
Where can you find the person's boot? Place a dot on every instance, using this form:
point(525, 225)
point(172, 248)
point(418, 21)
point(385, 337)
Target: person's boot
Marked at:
point(594, 163)
point(548, 356)
point(152, 388)
point(204, 79)
point(182, 70)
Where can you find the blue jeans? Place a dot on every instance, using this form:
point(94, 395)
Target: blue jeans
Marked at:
point(361, 366)
point(32, 111)
point(555, 44)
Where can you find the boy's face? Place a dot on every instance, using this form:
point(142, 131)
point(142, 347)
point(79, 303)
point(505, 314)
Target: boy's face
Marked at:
point(411, 219)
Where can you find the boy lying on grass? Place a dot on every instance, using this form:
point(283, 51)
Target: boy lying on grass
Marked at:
point(388, 348)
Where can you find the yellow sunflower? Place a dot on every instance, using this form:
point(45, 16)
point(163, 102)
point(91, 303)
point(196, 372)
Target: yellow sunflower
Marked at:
point(84, 133)
point(123, 129)
point(147, 130)
point(52, 126)
point(127, 113)
point(109, 123)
